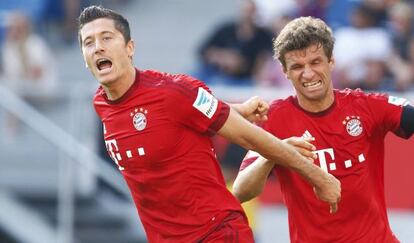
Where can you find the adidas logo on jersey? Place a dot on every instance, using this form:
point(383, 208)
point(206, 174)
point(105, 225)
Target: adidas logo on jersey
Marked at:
point(307, 134)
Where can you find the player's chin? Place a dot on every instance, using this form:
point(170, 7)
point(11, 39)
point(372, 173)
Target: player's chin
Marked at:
point(315, 95)
point(104, 78)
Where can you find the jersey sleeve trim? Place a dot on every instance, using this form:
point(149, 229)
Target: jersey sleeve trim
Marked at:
point(407, 120)
point(220, 120)
point(248, 161)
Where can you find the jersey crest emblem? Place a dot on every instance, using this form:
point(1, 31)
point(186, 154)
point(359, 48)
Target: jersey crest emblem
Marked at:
point(353, 125)
point(139, 118)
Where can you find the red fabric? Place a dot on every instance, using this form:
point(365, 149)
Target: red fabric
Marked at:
point(399, 168)
point(349, 138)
point(166, 156)
point(233, 229)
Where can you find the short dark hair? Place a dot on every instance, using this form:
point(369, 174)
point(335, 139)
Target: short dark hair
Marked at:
point(94, 12)
point(299, 34)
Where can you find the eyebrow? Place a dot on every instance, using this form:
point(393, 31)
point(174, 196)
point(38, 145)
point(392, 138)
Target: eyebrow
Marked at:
point(100, 33)
point(106, 32)
point(317, 58)
point(312, 60)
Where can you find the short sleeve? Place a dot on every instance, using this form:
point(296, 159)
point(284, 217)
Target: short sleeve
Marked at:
point(191, 103)
point(386, 111)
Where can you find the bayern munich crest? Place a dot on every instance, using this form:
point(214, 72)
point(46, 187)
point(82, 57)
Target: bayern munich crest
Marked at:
point(353, 125)
point(139, 118)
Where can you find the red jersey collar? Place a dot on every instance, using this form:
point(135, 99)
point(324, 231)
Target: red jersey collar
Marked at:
point(295, 102)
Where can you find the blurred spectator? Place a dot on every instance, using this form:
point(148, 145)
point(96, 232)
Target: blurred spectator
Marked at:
point(70, 11)
point(269, 10)
point(361, 52)
point(401, 28)
point(61, 15)
point(314, 8)
point(338, 11)
point(34, 9)
point(411, 58)
point(235, 51)
point(271, 74)
point(380, 9)
point(28, 64)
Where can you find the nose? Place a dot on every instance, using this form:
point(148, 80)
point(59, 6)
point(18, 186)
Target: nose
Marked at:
point(99, 47)
point(308, 72)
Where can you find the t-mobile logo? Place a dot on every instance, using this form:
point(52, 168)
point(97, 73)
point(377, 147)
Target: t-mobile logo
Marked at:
point(323, 155)
point(115, 153)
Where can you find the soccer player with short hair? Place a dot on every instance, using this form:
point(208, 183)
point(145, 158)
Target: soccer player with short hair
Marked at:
point(347, 127)
point(157, 129)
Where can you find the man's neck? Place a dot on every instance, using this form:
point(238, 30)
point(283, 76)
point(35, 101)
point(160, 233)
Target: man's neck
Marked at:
point(117, 89)
point(316, 106)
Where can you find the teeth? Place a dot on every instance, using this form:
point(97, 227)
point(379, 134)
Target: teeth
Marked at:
point(308, 84)
point(99, 61)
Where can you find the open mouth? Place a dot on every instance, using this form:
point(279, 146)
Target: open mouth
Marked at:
point(103, 64)
point(312, 84)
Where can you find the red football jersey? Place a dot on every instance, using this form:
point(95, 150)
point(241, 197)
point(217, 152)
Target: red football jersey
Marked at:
point(158, 134)
point(349, 140)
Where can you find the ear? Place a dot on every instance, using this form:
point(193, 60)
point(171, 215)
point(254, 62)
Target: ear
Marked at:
point(131, 48)
point(332, 63)
point(284, 70)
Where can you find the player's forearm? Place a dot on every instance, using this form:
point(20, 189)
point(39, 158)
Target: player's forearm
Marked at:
point(242, 109)
point(250, 182)
point(285, 155)
point(238, 108)
point(251, 137)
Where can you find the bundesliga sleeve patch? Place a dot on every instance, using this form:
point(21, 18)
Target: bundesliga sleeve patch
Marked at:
point(206, 103)
point(398, 101)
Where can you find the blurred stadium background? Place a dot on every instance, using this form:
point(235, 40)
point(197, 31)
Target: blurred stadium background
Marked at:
point(56, 185)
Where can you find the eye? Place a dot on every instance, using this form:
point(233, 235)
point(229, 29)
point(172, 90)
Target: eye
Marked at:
point(88, 43)
point(295, 67)
point(106, 38)
point(317, 61)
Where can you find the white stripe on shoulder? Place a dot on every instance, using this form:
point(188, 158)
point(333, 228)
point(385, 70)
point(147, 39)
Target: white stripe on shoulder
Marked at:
point(251, 154)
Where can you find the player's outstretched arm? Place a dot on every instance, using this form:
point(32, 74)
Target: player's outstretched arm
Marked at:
point(251, 180)
point(238, 130)
point(254, 109)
